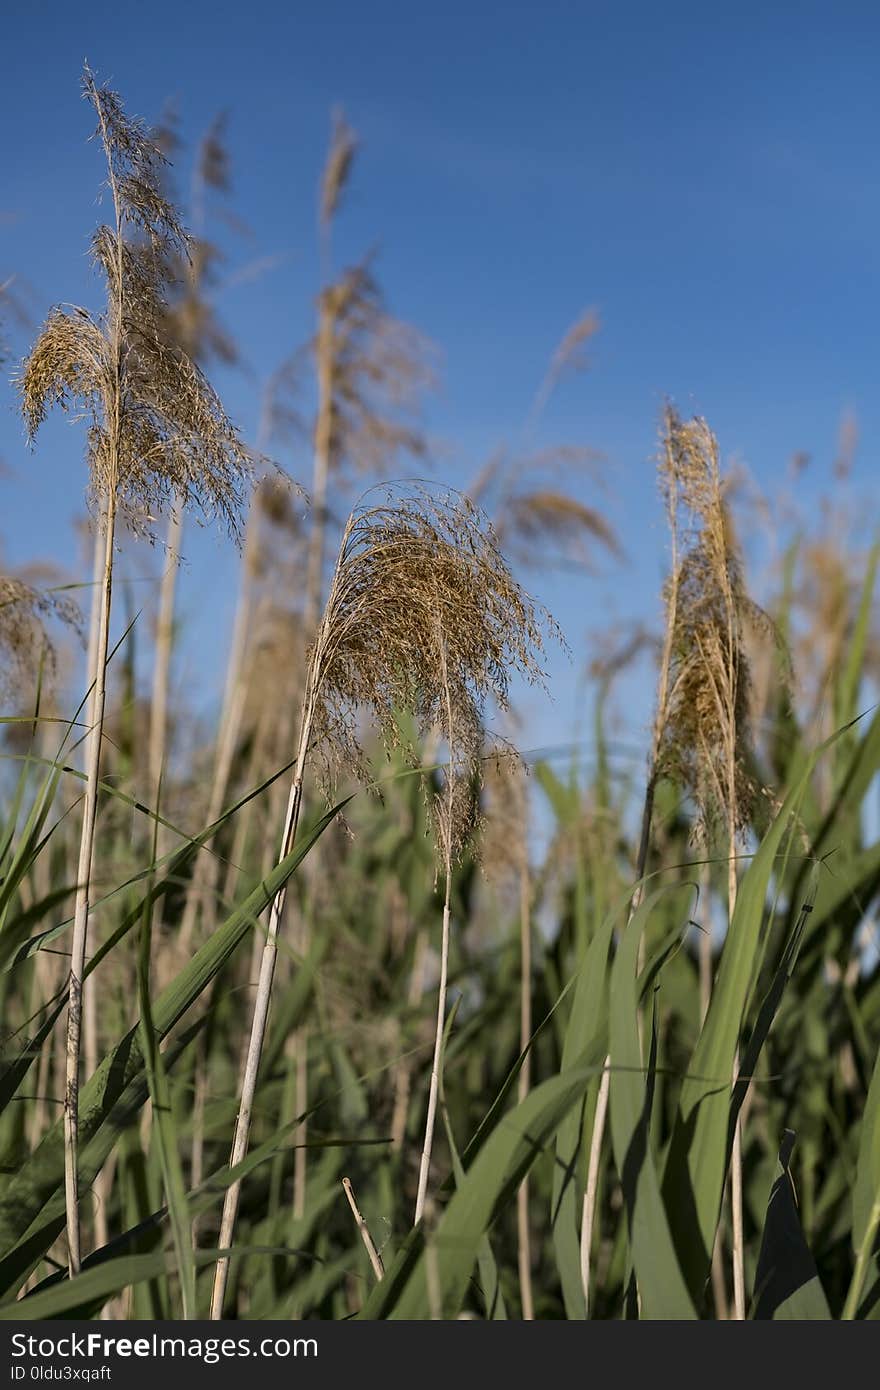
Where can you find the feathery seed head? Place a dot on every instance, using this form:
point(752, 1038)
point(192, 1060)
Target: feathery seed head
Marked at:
point(25, 642)
point(343, 147)
point(214, 164)
point(423, 614)
point(157, 430)
point(377, 367)
point(537, 520)
point(569, 355)
point(547, 518)
point(706, 739)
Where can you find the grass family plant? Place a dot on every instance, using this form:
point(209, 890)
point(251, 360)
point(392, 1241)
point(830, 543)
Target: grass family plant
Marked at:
point(156, 432)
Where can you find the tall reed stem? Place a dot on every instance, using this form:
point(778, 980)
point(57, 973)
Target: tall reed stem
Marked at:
point(736, 1160)
point(204, 877)
point(592, 1188)
point(719, 1286)
point(90, 997)
point(433, 1091)
point(98, 680)
point(158, 735)
point(321, 466)
point(524, 1246)
point(403, 1069)
point(314, 590)
point(445, 827)
point(260, 1016)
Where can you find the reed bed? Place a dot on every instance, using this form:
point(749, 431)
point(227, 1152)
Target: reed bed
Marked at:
point(344, 1008)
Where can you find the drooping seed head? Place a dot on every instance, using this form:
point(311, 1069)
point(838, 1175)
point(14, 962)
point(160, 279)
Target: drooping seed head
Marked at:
point(425, 615)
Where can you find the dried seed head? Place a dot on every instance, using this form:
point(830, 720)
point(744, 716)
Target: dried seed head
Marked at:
point(276, 497)
point(705, 742)
point(11, 310)
point(157, 431)
point(191, 318)
point(276, 657)
point(570, 356)
point(538, 520)
point(545, 522)
point(343, 146)
point(214, 163)
point(827, 594)
point(377, 368)
point(27, 650)
point(847, 445)
point(191, 321)
point(504, 840)
point(423, 614)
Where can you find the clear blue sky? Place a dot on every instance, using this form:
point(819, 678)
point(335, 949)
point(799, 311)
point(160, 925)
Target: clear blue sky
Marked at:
point(706, 176)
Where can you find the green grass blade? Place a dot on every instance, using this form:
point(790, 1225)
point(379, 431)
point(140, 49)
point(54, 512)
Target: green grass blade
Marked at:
point(697, 1163)
point(787, 1284)
point(866, 1194)
point(664, 1293)
point(43, 1173)
point(588, 1013)
point(505, 1158)
point(165, 1128)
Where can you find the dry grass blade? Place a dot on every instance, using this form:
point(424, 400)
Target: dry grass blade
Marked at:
point(374, 1256)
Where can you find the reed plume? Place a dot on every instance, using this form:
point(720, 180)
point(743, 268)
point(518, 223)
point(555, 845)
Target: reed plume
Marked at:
point(569, 356)
point(156, 432)
point(369, 370)
point(29, 653)
point(674, 470)
point(422, 614)
point(537, 517)
point(706, 742)
point(707, 736)
point(528, 491)
point(334, 178)
point(192, 326)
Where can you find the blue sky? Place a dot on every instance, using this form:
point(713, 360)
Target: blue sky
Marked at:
point(706, 176)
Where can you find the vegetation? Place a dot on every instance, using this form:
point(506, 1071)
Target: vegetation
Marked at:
point(345, 1009)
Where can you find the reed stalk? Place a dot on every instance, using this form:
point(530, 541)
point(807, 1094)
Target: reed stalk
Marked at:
point(465, 625)
point(156, 431)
